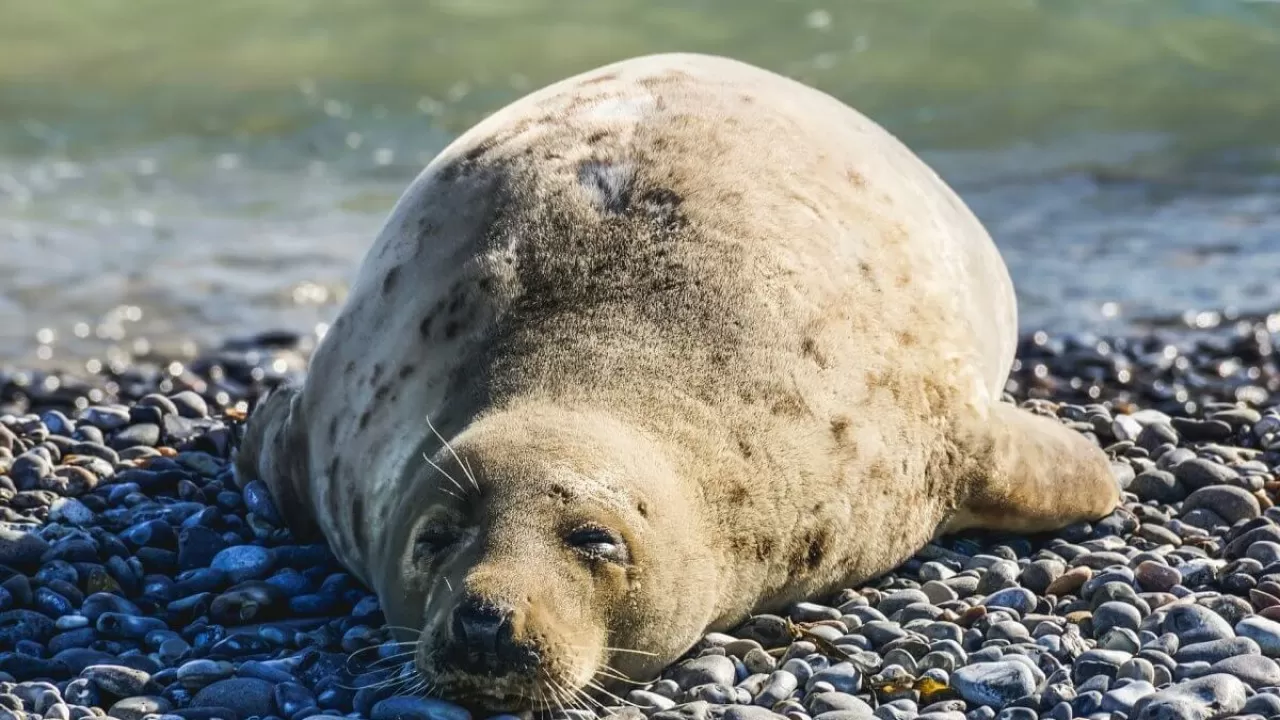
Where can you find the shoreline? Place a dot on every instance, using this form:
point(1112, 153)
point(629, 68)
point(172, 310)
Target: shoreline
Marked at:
point(136, 579)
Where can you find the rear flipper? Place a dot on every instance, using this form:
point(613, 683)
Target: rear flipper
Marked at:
point(1032, 474)
point(274, 450)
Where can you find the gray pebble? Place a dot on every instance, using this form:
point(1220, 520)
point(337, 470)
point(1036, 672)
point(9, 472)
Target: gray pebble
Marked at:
point(1256, 671)
point(1215, 650)
point(708, 669)
point(417, 708)
point(993, 683)
point(1212, 696)
point(1266, 633)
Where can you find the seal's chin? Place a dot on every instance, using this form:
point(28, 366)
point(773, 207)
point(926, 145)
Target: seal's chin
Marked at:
point(487, 695)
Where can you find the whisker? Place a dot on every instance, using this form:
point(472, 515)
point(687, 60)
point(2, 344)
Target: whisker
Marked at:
point(443, 472)
point(456, 459)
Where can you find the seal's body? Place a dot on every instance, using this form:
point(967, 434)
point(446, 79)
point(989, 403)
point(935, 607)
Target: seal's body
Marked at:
point(702, 341)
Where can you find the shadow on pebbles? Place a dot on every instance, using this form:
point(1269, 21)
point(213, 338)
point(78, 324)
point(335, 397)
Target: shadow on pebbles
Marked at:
point(137, 582)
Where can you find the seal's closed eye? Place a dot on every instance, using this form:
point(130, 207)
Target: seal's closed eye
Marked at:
point(434, 538)
point(598, 543)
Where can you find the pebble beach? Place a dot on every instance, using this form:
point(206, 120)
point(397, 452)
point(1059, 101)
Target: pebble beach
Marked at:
point(138, 581)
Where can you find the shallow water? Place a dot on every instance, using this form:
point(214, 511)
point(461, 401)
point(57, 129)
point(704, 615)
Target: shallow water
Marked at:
point(185, 172)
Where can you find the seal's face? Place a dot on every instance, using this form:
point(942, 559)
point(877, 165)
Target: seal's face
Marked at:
point(538, 585)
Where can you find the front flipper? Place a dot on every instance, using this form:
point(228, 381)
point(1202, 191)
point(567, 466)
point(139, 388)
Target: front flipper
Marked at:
point(1032, 474)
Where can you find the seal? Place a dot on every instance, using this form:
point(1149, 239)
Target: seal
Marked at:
point(647, 351)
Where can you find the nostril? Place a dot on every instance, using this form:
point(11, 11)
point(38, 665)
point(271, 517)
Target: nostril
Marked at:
point(479, 624)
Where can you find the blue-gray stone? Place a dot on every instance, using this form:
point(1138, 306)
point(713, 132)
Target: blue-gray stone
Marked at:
point(1195, 624)
point(1215, 650)
point(1266, 633)
point(417, 708)
point(1256, 671)
point(244, 562)
point(247, 696)
point(993, 683)
point(1016, 598)
point(1212, 696)
point(116, 679)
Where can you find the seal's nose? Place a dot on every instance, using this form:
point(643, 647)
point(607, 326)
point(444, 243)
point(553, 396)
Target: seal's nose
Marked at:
point(484, 639)
point(480, 626)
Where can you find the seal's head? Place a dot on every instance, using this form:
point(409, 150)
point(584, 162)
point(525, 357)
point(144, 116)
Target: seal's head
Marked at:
point(539, 563)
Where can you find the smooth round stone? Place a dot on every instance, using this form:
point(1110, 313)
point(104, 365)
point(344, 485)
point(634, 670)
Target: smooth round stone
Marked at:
point(196, 674)
point(1264, 552)
point(938, 592)
point(138, 707)
point(993, 683)
point(1158, 485)
point(1070, 581)
point(1256, 671)
point(1156, 577)
point(247, 696)
point(244, 562)
point(1122, 699)
point(1212, 696)
point(1137, 669)
point(813, 612)
point(417, 708)
point(1232, 504)
point(705, 670)
point(896, 601)
point(140, 434)
point(1195, 623)
point(1019, 599)
point(821, 703)
point(1264, 632)
point(649, 702)
point(116, 679)
point(1092, 663)
point(1038, 575)
point(780, 685)
point(842, 676)
point(1215, 650)
point(190, 405)
point(1114, 614)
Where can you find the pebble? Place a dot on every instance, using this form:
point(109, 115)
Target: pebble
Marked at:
point(246, 696)
point(993, 683)
point(1213, 696)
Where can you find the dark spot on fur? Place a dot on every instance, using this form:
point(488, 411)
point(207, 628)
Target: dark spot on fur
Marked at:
point(381, 393)
point(642, 507)
point(406, 370)
point(596, 137)
point(865, 268)
point(350, 368)
point(456, 303)
point(789, 404)
point(359, 531)
point(333, 467)
point(747, 98)
point(855, 178)
point(744, 448)
point(839, 427)
point(662, 207)
point(817, 549)
point(737, 494)
point(610, 183)
point(907, 338)
point(486, 284)
point(365, 417)
point(560, 493)
point(606, 77)
point(809, 347)
point(764, 548)
point(389, 282)
point(333, 430)
point(376, 373)
point(424, 327)
point(451, 329)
